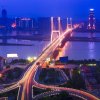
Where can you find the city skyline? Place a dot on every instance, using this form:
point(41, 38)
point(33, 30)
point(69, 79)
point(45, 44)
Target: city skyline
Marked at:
point(49, 50)
point(44, 8)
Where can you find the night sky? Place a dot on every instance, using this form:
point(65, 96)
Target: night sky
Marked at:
point(77, 9)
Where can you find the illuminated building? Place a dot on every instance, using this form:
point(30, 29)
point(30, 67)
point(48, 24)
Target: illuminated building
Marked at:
point(24, 23)
point(91, 24)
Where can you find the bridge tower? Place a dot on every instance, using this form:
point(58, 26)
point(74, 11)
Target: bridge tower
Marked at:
point(53, 30)
point(69, 23)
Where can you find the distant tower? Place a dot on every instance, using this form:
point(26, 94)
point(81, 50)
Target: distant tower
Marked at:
point(91, 25)
point(4, 18)
point(4, 13)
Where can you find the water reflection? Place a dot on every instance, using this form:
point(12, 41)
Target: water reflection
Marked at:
point(91, 35)
point(84, 50)
point(91, 48)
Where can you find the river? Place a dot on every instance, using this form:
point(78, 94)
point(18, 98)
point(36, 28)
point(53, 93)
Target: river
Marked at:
point(83, 50)
point(74, 50)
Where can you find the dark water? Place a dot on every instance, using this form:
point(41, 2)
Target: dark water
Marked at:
point(83, 50)
point(23, 51)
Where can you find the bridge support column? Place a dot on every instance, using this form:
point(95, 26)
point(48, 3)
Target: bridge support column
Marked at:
point(69, 23)
point(53, 30)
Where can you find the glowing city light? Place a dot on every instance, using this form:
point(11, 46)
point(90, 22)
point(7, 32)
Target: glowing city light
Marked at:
point(30, 59)
point(0, 75)
point(91, 9)
point(12, 55)
point(13, 25)
point(48, 59)
point(34, 58)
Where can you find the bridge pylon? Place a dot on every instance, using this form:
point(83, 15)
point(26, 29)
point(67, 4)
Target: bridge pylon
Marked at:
point(53, 30)
point(69, 23)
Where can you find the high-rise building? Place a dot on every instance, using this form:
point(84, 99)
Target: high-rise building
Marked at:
point(91, 24)
point(3, 19)
point(4, 13)
point(24, 23)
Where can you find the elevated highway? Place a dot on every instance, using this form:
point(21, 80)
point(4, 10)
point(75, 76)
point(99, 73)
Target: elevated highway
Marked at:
point(28, 79)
